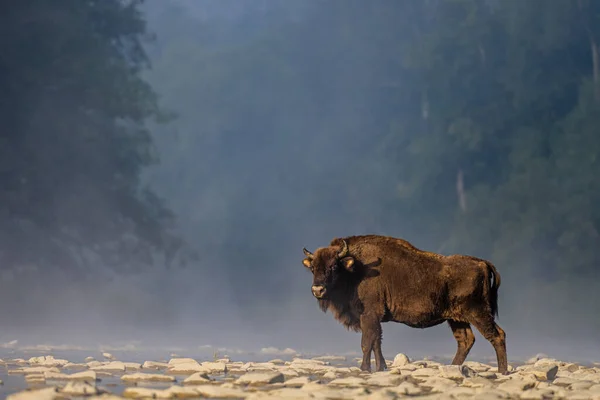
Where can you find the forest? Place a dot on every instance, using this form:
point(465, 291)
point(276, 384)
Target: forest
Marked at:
point(173, 134)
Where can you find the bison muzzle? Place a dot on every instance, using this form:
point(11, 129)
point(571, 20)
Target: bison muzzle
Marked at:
point(366, 280)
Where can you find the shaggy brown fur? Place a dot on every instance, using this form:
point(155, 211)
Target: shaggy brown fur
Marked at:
point(370, 279)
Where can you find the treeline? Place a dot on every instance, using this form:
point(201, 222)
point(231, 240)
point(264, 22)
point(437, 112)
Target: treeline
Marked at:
point(74, 112)
point(463, 126)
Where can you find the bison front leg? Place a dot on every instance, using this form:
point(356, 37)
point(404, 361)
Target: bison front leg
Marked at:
point(464, 338)
point(371, 340)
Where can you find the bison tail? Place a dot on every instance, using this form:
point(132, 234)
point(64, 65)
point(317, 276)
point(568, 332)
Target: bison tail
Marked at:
point(494, 288)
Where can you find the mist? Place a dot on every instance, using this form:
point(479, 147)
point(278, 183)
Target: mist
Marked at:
point(297, 122)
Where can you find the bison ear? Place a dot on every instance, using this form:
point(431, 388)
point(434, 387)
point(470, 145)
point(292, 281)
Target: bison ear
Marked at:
point(306, 262)
point(348, 263)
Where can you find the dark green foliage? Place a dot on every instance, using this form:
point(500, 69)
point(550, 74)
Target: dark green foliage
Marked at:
point(465, 126)
point(73, 141)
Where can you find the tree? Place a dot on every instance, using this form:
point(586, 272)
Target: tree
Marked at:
point(464, 126)
point(74, 113)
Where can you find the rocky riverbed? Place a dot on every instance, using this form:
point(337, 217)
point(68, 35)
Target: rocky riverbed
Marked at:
point(48, 377)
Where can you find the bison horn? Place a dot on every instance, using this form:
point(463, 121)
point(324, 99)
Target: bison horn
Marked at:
point(344, 251)
point(308, 253)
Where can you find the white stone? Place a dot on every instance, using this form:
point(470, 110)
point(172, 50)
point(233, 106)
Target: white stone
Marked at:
point(309, 361)
point(145, 393)
point(84, 376)
point(289, 373)
point(537, 394)
point(409, 367)
point(581, 385)
point(546, 361)
point(304, 378)
point(94, 363)
point(180, 360)
point(257, 366)
point(487, 374)
point(563, 381)
point(460, 391)
point(113, 366)
point(516, 385)
point(142, 377)
point(330, 375)
point(477, 382)
point(154, 365)
point(36, 370)
point(185, 368)
point(35, 378)
point(108, 356)
point(422, 372)
point(382, 395)
point(214, 391)
point(297, 382)
point(130, 366)
point(315, 387)
point(214, 367)
point(509, 368)
point(260, 378)
point(50, 393)
point(351, 381)
point(54, 376)
point(75, 366)
point(492, 394)
point(583, 395)
point(400, 360)
point(438, 384)
point(80, 389)
point(537, 357)
point(47, 361)
point(179, 392)
point(383, 379)
point(477, 366)
point(433, 364)
point(456, 372)
point(198, 378)
point(595, 388)
point(326, 392)
point(407, 388)
point(570, 367)
point(543, 372)
point(285, 393)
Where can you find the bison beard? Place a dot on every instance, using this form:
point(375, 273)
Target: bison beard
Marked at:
point(367, 280)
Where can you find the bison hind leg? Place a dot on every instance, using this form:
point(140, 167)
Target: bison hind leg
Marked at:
point(490, 330)
point(464, 338)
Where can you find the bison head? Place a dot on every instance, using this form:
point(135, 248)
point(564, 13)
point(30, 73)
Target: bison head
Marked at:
point(327, 264)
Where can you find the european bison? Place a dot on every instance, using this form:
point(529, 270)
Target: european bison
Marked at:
point(370, 279)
